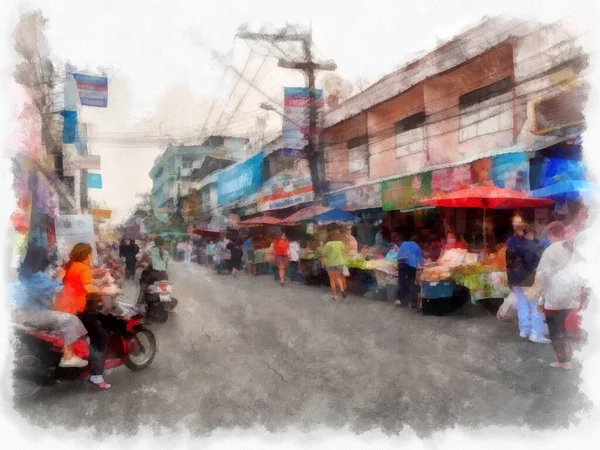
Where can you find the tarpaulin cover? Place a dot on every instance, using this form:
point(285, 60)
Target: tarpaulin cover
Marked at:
point(335, 215)
point(568, 190)
point(488, 197)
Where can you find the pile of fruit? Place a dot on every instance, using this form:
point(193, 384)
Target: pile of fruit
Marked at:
point(436, 273)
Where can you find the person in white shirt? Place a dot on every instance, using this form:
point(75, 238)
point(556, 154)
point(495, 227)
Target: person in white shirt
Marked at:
point(559, 289)
point(294, 255)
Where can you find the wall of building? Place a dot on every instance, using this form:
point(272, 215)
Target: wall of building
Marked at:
point(337, 157)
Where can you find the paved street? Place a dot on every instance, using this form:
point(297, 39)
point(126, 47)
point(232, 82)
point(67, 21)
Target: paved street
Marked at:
point(247, 351)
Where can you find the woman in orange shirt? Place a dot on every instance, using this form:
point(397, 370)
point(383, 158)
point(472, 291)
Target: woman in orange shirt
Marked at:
point(78, 284)
point(281, 253)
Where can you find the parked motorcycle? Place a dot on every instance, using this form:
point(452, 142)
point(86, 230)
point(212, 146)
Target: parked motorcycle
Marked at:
point(157, 300)
point(38, 353)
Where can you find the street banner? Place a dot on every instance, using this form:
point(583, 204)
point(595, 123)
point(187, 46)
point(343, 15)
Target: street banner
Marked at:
point(240, 180)
point(93, 90)
point(71, 230)
point(286, 189)
point(77, 162)
point(405, 193)
point(296, 122)
point(69, 127)
point(94, 181)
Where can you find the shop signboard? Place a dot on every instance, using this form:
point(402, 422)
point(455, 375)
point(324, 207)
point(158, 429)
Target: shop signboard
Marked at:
point(405, 193)
point(337, 200)
point(296, 120)
point(511, 171)
point(101, 214)
point(71, 230)
point(285, 190)
point(364, 197)
point(240, 180)
point(93, 90)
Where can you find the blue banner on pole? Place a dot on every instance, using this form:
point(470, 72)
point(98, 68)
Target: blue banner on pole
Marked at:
point(69, 127)
point(94, 181)
point(241, 180)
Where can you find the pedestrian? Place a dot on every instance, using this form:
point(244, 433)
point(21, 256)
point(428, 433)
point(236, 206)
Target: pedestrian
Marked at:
point(131, 252)
point(522, 258)
point(294, 255)
point(210, 252)
point(80, 297)
point(410, 258)
point(248, 248)
point(122, 247)
point(334, 260)
point(281, 253)
point(560, 290)
point(235, 263)
point(188, 250)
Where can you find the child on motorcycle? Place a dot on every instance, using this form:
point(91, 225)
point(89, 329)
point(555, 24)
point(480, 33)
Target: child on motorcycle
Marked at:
point(32, 297)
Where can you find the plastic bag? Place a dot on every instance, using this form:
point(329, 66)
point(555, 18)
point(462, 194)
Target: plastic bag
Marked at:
point(508, 310)
point(346, 272)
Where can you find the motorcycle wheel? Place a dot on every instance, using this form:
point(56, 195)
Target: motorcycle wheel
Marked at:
point(25, 386)
point(140, 359)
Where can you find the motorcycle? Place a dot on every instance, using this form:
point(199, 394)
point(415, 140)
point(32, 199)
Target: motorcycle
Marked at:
point(38, 353)
point(157, 300)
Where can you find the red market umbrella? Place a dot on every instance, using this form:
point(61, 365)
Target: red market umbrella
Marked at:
point(307, 213)
point(487, 197)
point(262, 220)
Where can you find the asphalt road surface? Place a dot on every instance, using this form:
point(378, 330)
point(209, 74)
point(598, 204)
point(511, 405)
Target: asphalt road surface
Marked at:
point(243, 352)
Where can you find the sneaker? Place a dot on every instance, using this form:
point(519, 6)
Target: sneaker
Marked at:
point(75, 361)
point(101, 384)
point(524, 335)
point(558, 365)
point(539, 340)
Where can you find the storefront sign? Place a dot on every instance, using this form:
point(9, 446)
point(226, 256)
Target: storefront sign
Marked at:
point(71, 230)
point(405, 193)
point(337, 200)
point(101, 214)
point(285, 190)
point(296, 120)
point(445, 181)
point(89, 162)
point(93, 91)
point(240, 180)
point(511, 171)
point(364, 197)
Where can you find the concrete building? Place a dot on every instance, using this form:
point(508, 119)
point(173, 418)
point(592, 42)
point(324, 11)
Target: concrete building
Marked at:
point(473, 97)
point(181, 168)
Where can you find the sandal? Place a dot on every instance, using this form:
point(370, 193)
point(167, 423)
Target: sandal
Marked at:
point(103, 385)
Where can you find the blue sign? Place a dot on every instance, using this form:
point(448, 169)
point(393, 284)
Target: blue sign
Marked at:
point(93, 91)
point(511, 171)
point(94, 181)
point(240, 181)
point(337, 200)
point(69, 127)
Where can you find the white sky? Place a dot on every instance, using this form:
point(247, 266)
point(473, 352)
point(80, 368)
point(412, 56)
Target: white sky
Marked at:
point(160, 72)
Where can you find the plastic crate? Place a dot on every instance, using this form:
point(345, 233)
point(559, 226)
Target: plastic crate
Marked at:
point(440, 289)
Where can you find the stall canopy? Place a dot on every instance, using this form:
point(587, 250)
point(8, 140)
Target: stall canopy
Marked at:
point(335, 215)
point(306, 213)
point(488, 197)
point(569, 190)
point(260, 221)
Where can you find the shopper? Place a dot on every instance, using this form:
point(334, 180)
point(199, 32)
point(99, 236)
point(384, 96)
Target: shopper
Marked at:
point(281, 253)
point(294, 255)
point(334, 259)
point(210, 252)
point(522, 258)
point(235, 263)
point(559, 288)
point(410, 258)
point(131, 251)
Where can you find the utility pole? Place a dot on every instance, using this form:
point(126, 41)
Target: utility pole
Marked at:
point(309, 67)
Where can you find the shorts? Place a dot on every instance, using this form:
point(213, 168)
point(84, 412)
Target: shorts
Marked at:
point(335, 268)
point(279, 260)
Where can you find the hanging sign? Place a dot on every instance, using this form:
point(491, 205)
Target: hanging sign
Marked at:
point(511, 171)
point(93, 91)
point(77, 162)
point(296, 120)
point(101, 214)
point(285, 190)
point(240, 180)
point(94, 181)
point(364, 197)
point(71, 230)
point(405, 193)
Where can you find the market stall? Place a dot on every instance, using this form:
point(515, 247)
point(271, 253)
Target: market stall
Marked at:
point(482, 273)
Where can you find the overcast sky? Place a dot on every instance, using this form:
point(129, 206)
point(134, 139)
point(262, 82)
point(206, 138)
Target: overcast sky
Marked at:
point(161, 72)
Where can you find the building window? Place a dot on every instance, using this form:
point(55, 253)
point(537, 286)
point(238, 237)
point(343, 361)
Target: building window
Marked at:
point(486, 110)
point(410, 135)
point(159, 172)
point(187, 162)
point(358, 153)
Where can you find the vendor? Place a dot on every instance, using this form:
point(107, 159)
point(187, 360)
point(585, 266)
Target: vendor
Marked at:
point(452, 243)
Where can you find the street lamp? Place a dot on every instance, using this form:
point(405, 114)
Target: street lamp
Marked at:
point(268, 107)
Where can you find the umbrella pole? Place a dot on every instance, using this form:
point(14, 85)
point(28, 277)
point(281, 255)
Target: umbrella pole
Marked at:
point(484, 230)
